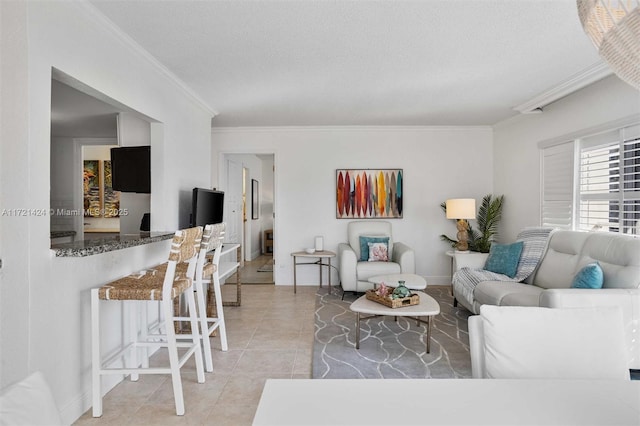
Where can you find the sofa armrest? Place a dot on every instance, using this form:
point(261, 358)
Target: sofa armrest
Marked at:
point(627, 299)
point(476, 346)
point(347, 262)
point(405, 256)
point(471, 260)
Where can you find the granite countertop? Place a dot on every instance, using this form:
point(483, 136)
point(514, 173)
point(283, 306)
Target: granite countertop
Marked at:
point(103, 245)
point(60, 234)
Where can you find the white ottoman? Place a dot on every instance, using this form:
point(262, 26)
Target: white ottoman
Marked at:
point(412, 281)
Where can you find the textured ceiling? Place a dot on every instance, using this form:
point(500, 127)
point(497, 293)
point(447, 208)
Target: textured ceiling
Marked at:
point(432, 62)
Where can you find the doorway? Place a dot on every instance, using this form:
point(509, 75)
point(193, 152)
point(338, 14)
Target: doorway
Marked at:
point(249, 182)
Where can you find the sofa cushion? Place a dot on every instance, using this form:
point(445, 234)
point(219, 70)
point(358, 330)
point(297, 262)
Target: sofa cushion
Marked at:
point(560, 263)
point(554, 343)
point(378, 252)
point(626, 299)
point(504, 258)
point(569, 251)
point(506, 293)
point(590, 276)
point(366, 240)
point(376, 228)
point(618, 256)
point(366, 270)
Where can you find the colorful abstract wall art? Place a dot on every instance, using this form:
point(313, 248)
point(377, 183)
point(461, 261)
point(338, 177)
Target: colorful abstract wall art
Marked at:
point(369, 193)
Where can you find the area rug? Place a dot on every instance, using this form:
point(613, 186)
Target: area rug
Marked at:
point(267, 267)
point(389, 349)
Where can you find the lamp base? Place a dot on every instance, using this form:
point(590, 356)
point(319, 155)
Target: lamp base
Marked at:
point(463, 235)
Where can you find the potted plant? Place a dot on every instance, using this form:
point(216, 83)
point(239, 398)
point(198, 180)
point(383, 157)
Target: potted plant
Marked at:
point(488, 218)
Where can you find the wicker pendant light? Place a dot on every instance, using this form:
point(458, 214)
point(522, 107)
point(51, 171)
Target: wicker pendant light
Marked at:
point(614, 27)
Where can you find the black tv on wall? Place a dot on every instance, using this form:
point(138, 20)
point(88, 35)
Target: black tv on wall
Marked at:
point(207, 207)
point(131, 169)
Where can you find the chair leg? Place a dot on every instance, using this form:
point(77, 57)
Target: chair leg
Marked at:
point(144, 332)
point(195, 336)
point(204, 327)
point(222, 328)
point(173, 357)
point(132, 355)
point(95, 354)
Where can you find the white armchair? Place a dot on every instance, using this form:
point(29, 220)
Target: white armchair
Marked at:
point(355, 271)
point(513, 342)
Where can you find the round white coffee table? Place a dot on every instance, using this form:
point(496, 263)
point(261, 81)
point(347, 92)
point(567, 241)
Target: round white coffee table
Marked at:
point(428, 307)
point(412, 281)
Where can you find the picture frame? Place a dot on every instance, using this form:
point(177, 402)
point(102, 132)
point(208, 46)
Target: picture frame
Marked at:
point(255, 200)
point(369, 193)
point(100, 199)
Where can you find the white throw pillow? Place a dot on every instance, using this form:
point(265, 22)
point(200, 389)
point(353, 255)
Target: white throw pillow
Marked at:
point(29, 402)
point(571, 343)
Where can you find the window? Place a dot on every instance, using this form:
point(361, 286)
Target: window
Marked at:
point(557, 186)
point(606, 194)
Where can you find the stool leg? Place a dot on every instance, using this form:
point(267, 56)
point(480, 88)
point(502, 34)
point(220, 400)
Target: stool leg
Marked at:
point(193, 316)
point(95, 354)
point(134, 316)
point(222, 328)
point(204, 326)
point(167, 307)
point(144, 331)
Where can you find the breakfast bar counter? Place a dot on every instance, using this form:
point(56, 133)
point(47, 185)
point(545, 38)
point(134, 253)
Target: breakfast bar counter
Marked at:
point(102, 245)
point(448, 402)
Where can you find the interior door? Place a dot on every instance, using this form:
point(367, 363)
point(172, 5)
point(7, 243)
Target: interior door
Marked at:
point(233, 202)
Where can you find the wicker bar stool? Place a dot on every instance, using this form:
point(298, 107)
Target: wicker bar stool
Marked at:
point(214, 315)
point(147, 287)
point(208, 299)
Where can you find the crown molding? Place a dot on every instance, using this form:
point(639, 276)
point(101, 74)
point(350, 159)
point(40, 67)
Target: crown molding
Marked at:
point(590, 75)
point(130, 43)
point(349, 128)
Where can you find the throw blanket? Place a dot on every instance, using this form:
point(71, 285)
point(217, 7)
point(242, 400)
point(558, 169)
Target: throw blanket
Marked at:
point(534, 242)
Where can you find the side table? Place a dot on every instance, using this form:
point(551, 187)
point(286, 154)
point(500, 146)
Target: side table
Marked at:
point(320, 255)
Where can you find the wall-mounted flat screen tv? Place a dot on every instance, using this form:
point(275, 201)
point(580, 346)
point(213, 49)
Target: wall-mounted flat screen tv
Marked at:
point(131, 169)
point(207, 207)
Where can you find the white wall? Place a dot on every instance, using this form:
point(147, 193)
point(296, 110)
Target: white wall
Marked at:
point(438, 163)
point(516, 153)
point(45, 313)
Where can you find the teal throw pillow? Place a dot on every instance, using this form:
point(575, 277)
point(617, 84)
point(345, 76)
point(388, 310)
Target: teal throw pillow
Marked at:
point(590, 276)
point(364, 245)
point(504, 258)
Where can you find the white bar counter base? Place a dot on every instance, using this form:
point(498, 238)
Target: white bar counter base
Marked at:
point(448, 402)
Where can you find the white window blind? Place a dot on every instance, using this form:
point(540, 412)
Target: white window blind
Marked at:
point(609, 181)
point(558, 186)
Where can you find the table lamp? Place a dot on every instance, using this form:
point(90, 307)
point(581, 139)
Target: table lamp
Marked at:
point(461, 209)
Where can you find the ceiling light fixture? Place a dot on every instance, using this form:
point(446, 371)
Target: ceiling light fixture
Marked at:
point(614, 28)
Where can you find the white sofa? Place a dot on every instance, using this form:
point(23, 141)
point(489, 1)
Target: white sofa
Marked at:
point(549, 286)
point(570, 343)
point(354, 273)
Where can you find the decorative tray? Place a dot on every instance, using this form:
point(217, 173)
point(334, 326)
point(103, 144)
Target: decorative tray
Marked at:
point(412, 299)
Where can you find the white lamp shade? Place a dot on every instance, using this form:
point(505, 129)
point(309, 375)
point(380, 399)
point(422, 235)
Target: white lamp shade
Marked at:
point(461, 208)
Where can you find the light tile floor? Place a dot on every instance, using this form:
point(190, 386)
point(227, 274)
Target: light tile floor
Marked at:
point(249, 273)
point(270, 336)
